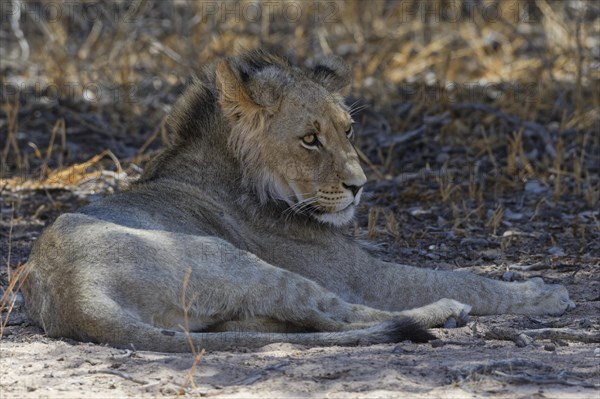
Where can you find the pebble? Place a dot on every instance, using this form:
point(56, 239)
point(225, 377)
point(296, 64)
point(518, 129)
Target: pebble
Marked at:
point(508, 276)
point(557, 251)
point(510, 215)
point(490, 254)
point(418, 211)
point(474, 241)
point(550, 347)
point(535, 187)
point(512, 276)
point(401, 349)
point(523, 340)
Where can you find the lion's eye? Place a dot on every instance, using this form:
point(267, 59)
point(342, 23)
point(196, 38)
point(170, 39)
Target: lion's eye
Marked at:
point(350, 133)
point(310, 140)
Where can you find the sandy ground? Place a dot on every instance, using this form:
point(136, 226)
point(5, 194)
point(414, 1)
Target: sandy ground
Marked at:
point(47, 368)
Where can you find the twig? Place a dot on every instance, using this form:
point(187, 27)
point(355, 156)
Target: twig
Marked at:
point(97, 129)
point(16, 28)
point(128, 353)
point(8, 298)
point(151, 385)
point(514, 120)
point(540, 379)
point(256, 377)
point(366, 160)
point(506, 364)
point(532, 267)
point(436, 343)
point(10, 230)
point(402, 138)
point(407, 136)
point(120, 374)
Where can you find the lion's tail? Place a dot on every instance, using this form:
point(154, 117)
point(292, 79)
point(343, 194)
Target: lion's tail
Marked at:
point(141, 336)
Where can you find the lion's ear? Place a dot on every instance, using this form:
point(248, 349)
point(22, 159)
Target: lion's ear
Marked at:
point(247, 87)
point(233, 97)
point(332, 73)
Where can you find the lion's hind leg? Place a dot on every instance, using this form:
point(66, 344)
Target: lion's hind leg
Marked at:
point(258, 324)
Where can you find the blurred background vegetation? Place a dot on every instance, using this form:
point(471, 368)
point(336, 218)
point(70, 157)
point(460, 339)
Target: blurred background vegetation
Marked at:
point(479, 113)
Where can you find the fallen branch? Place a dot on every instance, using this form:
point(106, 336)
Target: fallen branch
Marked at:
point(258, 376)
point(128, 353)
point(506, 364)
point(542, 379)
point(121, 374)
point(564, 333)
point(510, 334)
point(436, 343)
point(517, 122)
point(532, 267)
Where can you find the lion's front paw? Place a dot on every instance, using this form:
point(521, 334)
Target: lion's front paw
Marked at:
point(545, 299)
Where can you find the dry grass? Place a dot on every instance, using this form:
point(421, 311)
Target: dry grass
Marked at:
point(10, 294)
point(527, 61)
point(197, 353)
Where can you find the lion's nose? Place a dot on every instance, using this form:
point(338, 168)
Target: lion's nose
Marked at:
point(353, 188)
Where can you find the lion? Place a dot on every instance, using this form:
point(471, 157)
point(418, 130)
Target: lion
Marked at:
point(234, 234)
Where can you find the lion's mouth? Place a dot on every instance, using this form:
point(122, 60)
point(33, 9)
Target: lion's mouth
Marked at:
point(325, 214)
point(315, 209)
point(337, 218)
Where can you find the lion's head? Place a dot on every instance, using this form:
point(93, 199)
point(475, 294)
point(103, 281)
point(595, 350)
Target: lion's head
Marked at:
point(292, 133)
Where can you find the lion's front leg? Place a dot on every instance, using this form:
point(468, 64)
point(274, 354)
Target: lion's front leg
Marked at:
point(398, 287)
point(395, 287)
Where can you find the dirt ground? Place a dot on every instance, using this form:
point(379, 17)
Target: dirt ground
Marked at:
point(480, 136)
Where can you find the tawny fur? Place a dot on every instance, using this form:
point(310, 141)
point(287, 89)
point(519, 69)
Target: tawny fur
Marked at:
point(252, 214)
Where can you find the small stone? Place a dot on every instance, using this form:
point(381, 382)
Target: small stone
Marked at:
point(512, 276)
point(401, 349)
point(474, 242)
point(597, 352)
point(442, 157)
point(556, 251)
point(437, 343)
point(510, 215)
point(550, 347)
point(346, 49)
point(523, 340)
point(418, 211)
point(508, 276)
point(490, 254)
point(585, 323)
point(535, 187)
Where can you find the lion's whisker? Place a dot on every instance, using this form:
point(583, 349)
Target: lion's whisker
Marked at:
point(353, 111)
